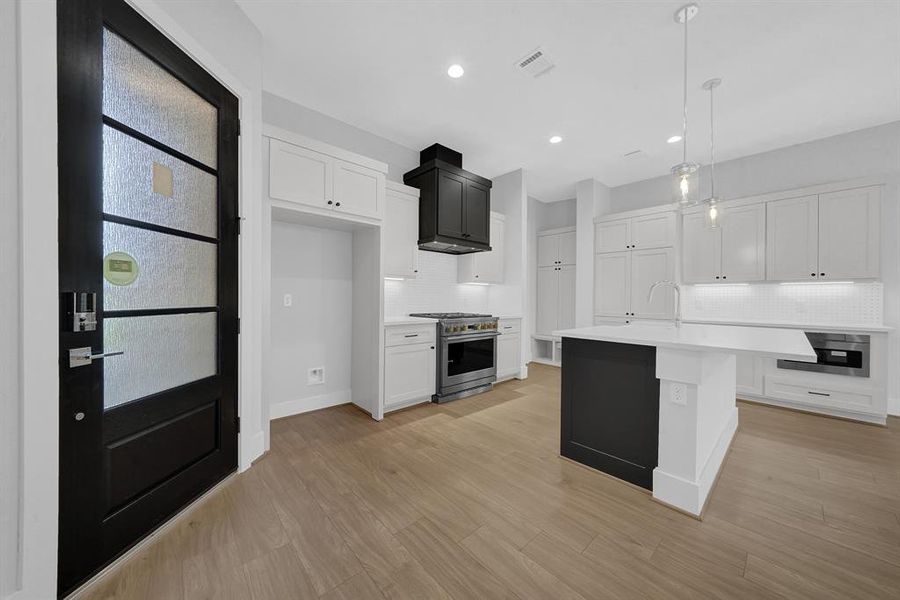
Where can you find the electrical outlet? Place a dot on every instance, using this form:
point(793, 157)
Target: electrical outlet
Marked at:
point(315, 376)
point(288, 300)
point(679, 394)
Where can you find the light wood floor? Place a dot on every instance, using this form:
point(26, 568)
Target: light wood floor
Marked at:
point(470, 500)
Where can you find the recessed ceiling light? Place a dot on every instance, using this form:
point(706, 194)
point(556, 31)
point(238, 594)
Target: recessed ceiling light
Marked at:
point(674, 139)
point(455, 71)
point(555, 139)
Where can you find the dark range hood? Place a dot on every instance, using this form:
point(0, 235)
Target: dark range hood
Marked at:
point(454, 204)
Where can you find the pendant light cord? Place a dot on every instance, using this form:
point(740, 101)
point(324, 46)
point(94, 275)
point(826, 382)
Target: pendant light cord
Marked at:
point(712, 147)
point(684, 103)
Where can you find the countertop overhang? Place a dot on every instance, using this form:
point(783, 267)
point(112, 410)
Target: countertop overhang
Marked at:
point(790, 344)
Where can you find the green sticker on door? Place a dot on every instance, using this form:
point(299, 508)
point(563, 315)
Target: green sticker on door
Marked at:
point(120, 268)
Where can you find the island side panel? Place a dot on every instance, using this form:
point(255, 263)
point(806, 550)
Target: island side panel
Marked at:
point(610, 408)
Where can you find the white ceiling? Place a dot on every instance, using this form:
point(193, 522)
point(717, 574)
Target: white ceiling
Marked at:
point(792, 71)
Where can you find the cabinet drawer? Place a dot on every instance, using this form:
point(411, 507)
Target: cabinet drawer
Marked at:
point(402, 335)
point(795, 391)
point(509, 326)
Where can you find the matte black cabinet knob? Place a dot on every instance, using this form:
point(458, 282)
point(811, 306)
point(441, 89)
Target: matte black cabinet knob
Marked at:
point(337, 204)
point(717, 276)
point(813, 274)
point(821, 274)
point(330, 202)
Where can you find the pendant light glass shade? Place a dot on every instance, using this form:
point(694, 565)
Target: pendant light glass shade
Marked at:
point(685, 175)
point(713, 212)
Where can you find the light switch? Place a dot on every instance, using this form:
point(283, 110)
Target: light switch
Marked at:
point(288, 300)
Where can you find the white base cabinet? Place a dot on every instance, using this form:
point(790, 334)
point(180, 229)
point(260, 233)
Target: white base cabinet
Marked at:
point(409, 365)
point(509, 349)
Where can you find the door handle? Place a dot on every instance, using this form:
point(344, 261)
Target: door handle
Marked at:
point(80, 357)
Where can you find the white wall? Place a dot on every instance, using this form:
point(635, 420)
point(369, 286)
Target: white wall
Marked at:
point(592, 198)
point(872, 153)
point(294, 117)
point(9, 300)
point(315, 266)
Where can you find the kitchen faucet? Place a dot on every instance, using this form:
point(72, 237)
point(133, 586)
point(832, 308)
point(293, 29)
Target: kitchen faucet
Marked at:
point(677, 289)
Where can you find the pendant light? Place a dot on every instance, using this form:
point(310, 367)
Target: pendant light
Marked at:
point(684, 174)
point(713, 213)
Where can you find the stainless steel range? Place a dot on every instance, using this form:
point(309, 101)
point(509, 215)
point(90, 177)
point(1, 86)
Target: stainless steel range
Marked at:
point(466, 354)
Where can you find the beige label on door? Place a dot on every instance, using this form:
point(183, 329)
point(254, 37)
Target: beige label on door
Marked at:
point(120, 268)
point(163, 182)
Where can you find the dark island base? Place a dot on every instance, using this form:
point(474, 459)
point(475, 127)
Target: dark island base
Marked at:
point(610, 408)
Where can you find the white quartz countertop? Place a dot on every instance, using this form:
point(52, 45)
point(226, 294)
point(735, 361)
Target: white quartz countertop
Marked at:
point(394, 321)
point(803, 326)
point(765, 341)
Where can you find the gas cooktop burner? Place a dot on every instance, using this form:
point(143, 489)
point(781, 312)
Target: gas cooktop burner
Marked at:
point(450, 315)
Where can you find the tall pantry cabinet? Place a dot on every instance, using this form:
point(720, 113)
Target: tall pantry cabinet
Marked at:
point(555, 280)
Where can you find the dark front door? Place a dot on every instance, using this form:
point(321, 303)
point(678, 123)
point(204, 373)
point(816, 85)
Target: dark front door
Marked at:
point(147, 275)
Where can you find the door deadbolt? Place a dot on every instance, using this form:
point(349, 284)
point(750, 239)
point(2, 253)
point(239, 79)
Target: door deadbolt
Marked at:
point(79, 416)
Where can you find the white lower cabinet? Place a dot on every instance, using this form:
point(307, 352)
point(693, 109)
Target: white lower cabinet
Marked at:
point(410, 363)
point(509, 361)
point(555, 299)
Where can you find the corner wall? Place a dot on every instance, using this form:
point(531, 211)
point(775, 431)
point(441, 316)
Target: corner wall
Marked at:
point(10, 470)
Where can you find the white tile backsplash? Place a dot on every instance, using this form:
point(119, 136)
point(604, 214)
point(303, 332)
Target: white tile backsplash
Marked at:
point(815, 303)
point(434, 290)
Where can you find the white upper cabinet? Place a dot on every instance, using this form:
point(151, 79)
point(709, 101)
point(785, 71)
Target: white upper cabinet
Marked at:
point(485, 267)
point(701, 250)
point(612, 236)
point(556, 248)
point(736, 251)
point(567, 248)
point(653, 231)
point(656, 230)
point(744, 243)
point(792, 239)
point(401, 231)
point(299, 175)
point(833, 235)
point(358, 190)
point(612, 284)
point(849, 227)
point(648, 267)
point(325, 178)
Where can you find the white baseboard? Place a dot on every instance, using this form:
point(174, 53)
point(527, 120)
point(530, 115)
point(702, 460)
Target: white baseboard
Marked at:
point(296, 407)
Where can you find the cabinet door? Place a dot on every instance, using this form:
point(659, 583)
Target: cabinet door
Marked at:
point(792, 239)
point(612, 236)
point(358, 190)
point(701, 258)
point(401, 233)
point(547, 300)
point(849, 223)
point(744, 243)
point(647, 267)
point(567, 248)
point(507, 355)
point(409, 374)
point(450, 204)
point(749, 375)
point(477, 212)
point(489, 265)
point(653, 231)
point(548, 250)
point(566, 296)
point(299, 175)
point(612, 284)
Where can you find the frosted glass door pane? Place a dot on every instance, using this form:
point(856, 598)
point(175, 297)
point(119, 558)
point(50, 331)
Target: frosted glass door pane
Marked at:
point(161, 352)
point(173, 272)
point(146, 184)
point(141, 94)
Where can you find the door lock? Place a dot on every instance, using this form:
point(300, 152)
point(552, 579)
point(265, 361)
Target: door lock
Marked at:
point(81, 311)
point(81, 357)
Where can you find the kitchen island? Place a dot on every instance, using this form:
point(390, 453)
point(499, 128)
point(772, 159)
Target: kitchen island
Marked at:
point(654, 404)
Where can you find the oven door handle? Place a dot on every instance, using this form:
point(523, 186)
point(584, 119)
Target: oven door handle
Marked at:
point(470, 337)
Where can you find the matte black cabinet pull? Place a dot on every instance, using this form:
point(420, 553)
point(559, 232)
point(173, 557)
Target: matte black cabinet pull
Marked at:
point(409, 335)
point(818, 393)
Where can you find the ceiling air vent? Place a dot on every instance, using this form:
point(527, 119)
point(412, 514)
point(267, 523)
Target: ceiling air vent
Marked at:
point(634, 154)
point(535, 63)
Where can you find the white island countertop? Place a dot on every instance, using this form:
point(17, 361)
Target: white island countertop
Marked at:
point(789, 344)
point(395, 321)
